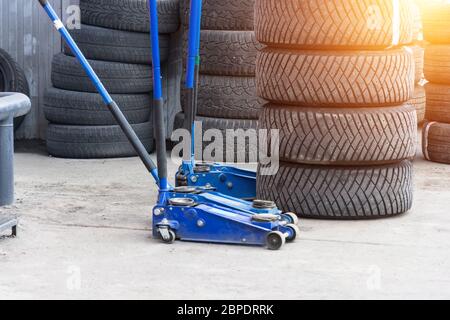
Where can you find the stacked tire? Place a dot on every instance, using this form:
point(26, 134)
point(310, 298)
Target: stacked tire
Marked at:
point(227, 92)
point(338, 91)
point(436, 130)
point(114, 36)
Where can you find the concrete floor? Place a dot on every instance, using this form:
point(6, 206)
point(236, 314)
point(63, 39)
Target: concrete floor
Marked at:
point(85, 233)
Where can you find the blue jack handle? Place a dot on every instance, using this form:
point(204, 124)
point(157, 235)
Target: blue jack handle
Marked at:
point(112, 106)
point(193, 68)
point(193, 42)
point(158, 98)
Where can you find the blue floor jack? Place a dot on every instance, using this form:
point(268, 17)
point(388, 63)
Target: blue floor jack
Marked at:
point(225, 179)
point(188, 213)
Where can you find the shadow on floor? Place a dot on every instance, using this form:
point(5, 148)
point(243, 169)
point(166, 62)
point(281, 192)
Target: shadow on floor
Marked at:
point(31, 146)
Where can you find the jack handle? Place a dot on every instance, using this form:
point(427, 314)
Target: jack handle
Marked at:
point(109, 102)
point(193, 69)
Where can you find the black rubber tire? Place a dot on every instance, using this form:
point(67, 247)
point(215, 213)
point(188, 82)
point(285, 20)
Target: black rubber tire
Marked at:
point(340, 192)
point(12, 79)
point(172, 238)
point(436, 142)
point(332, 24)
point(240, 150)
point(83, 108)
point(419, 60)
point(336, 78)
point(125, 78)
point(130, 15)
point(231, 53)
point(338, 136)
point(437, 63)
point(275, 240)
point(223, 14)
point(116, 45)
point(95, 142)
point(227, 97)
point(419, 102)
point(438, 102)
point(436, 22)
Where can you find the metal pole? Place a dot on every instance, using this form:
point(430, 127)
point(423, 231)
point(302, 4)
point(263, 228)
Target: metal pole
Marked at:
point(198, 28)
point(193, 69)
point(11, 105)
point(112, 106)
point(158, 104)
point(6, 161)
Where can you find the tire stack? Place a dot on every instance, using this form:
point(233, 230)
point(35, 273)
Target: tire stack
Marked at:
point(436, 131)
point(338, 88)
point(114, 36)
point(227, 92)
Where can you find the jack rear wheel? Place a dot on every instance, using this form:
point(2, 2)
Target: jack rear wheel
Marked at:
point(295, 231)
point(291, 217)
point(168, 238)
point(275, 240)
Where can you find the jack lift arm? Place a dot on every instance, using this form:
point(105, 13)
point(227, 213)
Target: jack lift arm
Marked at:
point(189, 213)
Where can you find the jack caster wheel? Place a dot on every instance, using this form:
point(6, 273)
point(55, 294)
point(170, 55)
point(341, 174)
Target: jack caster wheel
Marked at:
point(167, 236)
point(295, 231)
point(291, 217)
point(275, 240)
